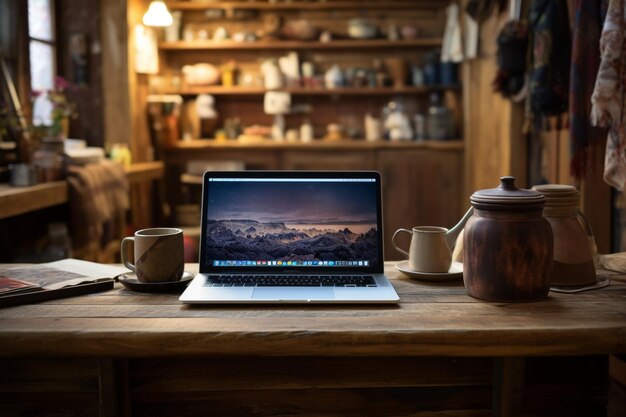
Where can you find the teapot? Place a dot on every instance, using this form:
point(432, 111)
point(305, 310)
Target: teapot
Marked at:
point(431, 246)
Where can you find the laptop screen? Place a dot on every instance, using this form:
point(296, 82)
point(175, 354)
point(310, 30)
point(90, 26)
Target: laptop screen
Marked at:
point(280, 221)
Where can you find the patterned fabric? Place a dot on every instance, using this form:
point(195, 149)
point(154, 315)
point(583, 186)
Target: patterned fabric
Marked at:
point(512, 46)
point(551, 43)
point(98, 193)
point(608, 108)
point(588, 18)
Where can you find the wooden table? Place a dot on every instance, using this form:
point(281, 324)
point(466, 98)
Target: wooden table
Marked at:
point(439, 352)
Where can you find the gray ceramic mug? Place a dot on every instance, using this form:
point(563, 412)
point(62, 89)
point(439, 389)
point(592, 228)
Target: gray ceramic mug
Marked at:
point(158, 254)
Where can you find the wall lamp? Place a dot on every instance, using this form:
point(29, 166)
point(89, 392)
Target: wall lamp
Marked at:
point(157, 15)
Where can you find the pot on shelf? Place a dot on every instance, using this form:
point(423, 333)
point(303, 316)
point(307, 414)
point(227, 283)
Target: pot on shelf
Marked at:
point(508, 245)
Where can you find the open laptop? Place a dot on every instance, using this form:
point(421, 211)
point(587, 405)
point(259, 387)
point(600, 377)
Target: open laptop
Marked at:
point(291, 237)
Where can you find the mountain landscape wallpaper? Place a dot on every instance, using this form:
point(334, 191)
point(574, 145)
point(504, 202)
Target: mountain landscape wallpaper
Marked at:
point(292, 221)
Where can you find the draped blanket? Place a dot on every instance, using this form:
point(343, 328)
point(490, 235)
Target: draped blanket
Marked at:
point(98, 192)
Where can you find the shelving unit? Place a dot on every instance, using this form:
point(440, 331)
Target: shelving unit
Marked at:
point(422, 180)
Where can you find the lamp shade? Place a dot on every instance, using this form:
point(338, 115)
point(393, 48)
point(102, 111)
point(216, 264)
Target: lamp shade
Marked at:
point(157, 15)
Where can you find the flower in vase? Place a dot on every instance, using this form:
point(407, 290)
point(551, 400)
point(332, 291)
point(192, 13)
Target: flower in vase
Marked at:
point(53, 108)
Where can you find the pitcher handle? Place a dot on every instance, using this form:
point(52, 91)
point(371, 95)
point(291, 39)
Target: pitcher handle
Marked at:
point(393, 241)
point(584, 222)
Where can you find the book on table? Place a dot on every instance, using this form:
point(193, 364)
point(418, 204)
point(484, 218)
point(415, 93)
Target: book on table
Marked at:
point(32, 283)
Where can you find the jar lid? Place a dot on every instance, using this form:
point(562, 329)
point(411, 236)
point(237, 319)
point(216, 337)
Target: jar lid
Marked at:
point(559, 194)
point(507, 196)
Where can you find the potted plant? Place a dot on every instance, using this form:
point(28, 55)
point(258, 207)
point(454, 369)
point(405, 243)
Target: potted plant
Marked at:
point(56, 109)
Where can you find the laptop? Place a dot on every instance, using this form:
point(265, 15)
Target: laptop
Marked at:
point(291, 237)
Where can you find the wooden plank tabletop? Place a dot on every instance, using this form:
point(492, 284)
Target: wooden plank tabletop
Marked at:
point(432, 319)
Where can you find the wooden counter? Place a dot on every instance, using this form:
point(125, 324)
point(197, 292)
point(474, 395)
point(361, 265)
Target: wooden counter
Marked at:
point(437, 350)
point(20, 200)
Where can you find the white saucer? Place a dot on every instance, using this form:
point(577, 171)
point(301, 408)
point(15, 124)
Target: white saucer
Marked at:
point(455, 272)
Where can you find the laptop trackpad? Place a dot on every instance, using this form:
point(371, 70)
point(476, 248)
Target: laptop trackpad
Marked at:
point(308, 293)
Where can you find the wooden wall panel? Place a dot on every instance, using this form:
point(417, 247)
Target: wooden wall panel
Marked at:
point(76, 16)
point(495, 145)
point(115, 81)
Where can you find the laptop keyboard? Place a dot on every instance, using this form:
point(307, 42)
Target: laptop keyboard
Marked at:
point(290, 281)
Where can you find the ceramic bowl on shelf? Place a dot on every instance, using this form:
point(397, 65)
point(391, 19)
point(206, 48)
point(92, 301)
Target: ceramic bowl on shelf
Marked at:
point(300, 30)
point(361, 29)
point(201, 74)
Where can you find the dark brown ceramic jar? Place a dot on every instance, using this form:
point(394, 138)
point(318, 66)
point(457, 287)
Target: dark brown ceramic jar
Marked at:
point(508, 245)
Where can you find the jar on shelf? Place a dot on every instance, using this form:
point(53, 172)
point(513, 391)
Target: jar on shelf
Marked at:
point(396, 122)
point(440, 120)
point(230, 73)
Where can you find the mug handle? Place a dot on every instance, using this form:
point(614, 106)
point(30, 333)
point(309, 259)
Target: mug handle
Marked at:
point(124, 251)
point(393, 241)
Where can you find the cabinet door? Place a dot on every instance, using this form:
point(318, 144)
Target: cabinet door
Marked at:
point(420, 188)
point(328, 160)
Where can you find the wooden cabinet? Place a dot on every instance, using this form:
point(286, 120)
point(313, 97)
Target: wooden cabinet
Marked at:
point(420, 188)
point(328, 160)
point(421, 180)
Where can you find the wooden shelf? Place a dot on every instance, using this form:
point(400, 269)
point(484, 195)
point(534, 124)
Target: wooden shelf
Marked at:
point(306, 5)
point(353, 144)
point(20, 200)
point(281, 45)
point(144, 171)
point(219, 90)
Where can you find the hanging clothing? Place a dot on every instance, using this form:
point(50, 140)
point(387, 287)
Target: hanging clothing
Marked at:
point(452, 47)
point(607, 100)
point(511, 57)
point(551, 52)
point(588, 18)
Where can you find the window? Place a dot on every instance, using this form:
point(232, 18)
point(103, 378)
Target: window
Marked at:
point(41, 43)
point(42, 53)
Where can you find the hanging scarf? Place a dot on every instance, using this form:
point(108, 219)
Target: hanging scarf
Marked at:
point(607, 101)
point(511, 57)
point(551, 42)
point(588, 18)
